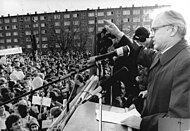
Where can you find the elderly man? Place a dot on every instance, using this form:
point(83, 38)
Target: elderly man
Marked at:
point(169, 74)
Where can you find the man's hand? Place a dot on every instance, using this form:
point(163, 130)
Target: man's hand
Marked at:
point(113, 29)
point(132, 121)
point(143, 93)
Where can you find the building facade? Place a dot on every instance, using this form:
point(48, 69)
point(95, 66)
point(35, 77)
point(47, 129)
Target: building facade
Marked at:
point(77, 28)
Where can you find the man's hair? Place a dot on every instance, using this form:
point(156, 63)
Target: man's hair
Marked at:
point(11, 119)
point(23, 110)
point(176, 18)
point(141, 33)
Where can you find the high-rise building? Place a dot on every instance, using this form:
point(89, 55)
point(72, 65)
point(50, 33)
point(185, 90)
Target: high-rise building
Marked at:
point(69, 28)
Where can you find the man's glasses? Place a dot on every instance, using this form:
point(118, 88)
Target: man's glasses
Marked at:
point(154, 29)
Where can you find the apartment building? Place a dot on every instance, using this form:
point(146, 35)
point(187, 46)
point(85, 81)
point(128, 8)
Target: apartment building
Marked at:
point(82, 25)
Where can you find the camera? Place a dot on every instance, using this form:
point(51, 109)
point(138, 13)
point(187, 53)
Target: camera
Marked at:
point(104, 41)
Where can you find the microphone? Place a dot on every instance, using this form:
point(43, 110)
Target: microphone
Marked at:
point(107, 83)
point(122, 51)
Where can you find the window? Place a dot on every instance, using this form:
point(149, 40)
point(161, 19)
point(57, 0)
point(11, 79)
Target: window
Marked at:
point(2, 41)
point(42, 17)
point(100, 21)
point(15, 33)
point(27, 26)
point(7, 20)
point(136, 12)
point(126, 27)
point(126, 20)
point(57, 31)
point(14, 19)
point(147, 11)
point(75, 22)
point(8, 34)
point(44, 38)
point(136, 19)
point(26, 18)
point(83, 14)
point(91, 22)
point(67, 16)
point(91, 14)
point(126, 12)
point(14, 27)
point(28, 39)
point(15, 40)
point(35, 25)
point(27, 32)
point(109, 13)
point(8, 40)
point(7, 27)
point(35, 32)
point(57, 17)
point(75, 15)
point(146, 18)
point(21, 27)
point(1, 21)
point(21, 19)
point(1, 27)
point(66, 23)
point(43, 24)
point(100, 13)
point(91, 29)
point(35, 18)
point(57, 23)
point(1, 34)
point(43, 31)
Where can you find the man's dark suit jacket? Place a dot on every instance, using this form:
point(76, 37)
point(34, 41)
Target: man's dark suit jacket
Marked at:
point(168, 82)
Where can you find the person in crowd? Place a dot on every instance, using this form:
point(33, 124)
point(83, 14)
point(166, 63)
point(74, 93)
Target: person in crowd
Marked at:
point(14, 123)
point(22, 110)
point(169, 70)
point(34, 125)
point(55, 112)
point(3, 116)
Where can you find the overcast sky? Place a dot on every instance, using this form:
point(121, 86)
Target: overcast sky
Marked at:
point(14, 7)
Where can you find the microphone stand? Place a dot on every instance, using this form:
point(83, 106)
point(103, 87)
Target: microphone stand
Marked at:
point(100, 102)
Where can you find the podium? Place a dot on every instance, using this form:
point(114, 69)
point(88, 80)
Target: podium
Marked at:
point(84, 119)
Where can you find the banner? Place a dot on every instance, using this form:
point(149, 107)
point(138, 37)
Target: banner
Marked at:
point(10, 51)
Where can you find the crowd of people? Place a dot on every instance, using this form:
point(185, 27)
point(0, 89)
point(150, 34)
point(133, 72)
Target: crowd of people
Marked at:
point(20, 74)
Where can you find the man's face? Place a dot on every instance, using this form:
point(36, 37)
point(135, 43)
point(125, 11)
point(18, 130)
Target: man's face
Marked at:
point(161, 33)
point(2, 109)
point(34, 128)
